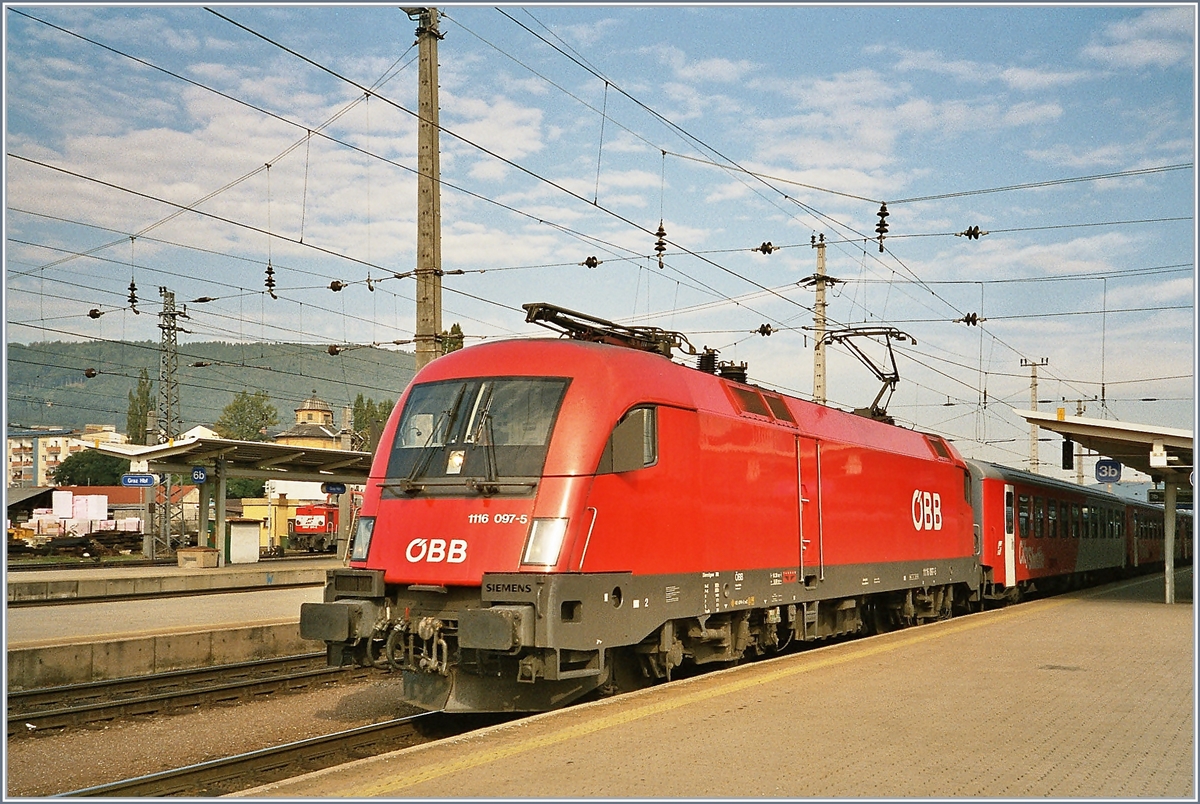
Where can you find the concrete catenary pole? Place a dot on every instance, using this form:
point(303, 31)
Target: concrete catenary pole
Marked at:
point(819, 327)
point(1079, 409)
point(429, 196)
point(1033, 405)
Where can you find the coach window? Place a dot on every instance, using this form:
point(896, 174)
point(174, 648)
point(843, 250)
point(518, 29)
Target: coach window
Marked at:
point(1074, 521)
point(1039, 508)
point(1052, 519)
point(633, 443)
point(1023, 516)
point(1008, 511)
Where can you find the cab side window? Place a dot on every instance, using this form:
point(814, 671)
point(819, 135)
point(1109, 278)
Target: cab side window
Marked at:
point(633, 443)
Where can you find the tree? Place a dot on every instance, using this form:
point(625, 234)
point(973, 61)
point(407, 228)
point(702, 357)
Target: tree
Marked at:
point(239, 488)
point(452, 341)
point(248, 417)
point(369, 419)
point(90, 468)
point(140, 403)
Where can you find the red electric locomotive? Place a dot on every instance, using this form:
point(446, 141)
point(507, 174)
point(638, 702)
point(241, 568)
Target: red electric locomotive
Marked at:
point(548, 518)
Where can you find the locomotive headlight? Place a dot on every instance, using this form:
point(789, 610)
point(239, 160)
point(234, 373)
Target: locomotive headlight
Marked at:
point(362, 538)
point(544, 542)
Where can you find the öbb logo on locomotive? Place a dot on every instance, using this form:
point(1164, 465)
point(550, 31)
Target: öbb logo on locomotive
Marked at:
point(926, 510)
point(436, 550)
point(551, 519)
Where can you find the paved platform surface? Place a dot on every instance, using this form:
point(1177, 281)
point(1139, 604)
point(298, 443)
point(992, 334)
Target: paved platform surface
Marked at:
point(108, 581)
point(1084, 695)
point(120, 619)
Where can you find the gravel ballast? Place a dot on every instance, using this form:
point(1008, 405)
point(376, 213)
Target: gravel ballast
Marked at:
point(72, 759)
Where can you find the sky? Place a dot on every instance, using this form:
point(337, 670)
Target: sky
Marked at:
point(168, 146)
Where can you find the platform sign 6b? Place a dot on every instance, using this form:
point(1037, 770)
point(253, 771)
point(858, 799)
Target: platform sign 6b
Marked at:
point(1108, 470)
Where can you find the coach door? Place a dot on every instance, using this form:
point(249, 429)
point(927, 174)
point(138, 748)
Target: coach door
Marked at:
point(1010, 536)
point(808, 461)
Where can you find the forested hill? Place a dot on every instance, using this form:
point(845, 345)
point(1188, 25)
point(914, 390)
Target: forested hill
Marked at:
point(45, 382)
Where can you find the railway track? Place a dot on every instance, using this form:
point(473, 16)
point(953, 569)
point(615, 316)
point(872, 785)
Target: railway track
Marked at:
point(239, 772)
point(230, 774)
point(76, 705)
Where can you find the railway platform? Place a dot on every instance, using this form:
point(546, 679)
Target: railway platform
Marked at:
point(1089, 694)
point(94, 583)
point(82, 625)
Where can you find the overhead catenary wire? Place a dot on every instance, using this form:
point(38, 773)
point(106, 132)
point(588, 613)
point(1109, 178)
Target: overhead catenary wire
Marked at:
point(897, 280)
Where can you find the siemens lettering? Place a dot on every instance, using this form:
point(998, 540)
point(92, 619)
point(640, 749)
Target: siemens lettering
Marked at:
point(496, 588)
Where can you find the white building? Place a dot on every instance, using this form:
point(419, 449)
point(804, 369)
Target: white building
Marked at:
point(32, 453)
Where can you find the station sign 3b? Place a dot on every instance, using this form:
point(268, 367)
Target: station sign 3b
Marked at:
point(1108, 471)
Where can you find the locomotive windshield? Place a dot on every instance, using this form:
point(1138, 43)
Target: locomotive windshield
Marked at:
point(484, 429)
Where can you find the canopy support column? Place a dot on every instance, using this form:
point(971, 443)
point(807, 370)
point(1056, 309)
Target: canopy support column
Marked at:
point(1169, 538)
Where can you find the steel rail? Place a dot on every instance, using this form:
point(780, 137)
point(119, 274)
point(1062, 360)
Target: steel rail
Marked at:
point(30, 711)
point(228, 774)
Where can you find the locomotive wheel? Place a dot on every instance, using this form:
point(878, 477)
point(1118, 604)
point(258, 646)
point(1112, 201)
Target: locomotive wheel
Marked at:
point(625, 673)
point(875, 618)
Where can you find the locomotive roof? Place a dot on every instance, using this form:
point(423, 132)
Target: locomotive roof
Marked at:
point(611, 377)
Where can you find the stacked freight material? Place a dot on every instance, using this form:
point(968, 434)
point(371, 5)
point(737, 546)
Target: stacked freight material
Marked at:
point(546, 519)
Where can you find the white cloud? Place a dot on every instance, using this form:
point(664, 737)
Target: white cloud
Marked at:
point(498, 124)
point(1026, 79)
point(717, 70)
point(1156, 38)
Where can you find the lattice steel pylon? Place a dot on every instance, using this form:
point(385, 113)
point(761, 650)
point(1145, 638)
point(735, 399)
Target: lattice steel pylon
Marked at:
point(169, 513)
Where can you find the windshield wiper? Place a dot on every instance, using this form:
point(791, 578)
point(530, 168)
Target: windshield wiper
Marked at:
point(421, 465)
point(490, 475)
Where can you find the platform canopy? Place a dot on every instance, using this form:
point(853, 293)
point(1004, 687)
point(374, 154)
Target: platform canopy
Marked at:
point(257, 459)
point(1164, 453)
